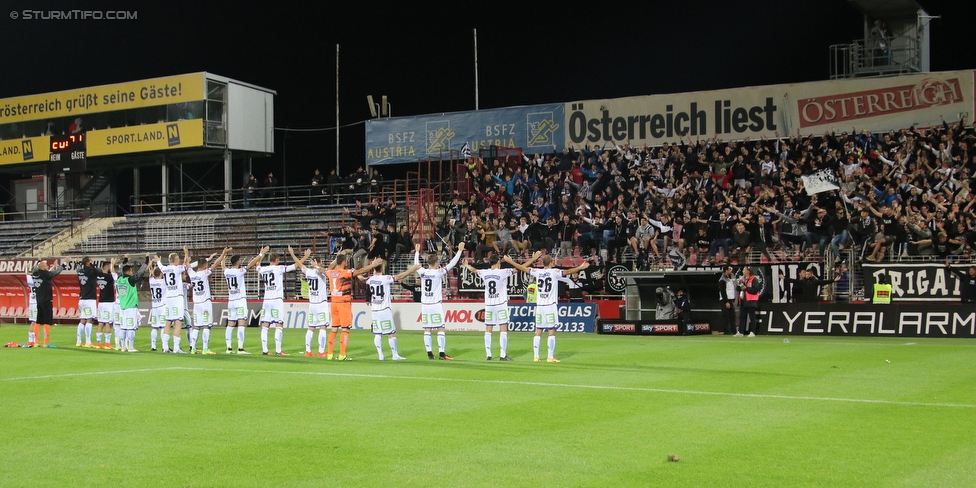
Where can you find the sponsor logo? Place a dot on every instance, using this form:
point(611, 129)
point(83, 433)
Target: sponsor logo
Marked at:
point(703, 327)
point(439, 135)
point(846, 107)
point(480, 315)
point(616, 282)
point(173, 135)
point(28, 150)
point(666, 328)
point(541, 127)
point(624, 328)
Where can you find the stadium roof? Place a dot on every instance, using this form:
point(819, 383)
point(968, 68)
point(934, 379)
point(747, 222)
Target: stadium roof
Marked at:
point(887, 8)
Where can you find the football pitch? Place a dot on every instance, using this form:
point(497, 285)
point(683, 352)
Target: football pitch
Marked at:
point(735, 411)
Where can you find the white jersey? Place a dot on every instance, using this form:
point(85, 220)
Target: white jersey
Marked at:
point(273, 278)
point(157, 288)
point(318, 289)
point(235, 283)
point(118, 298)
point(379, 291)
point(431, 280)
point(173, 275)
point(547, 286)
point(32, 298)
point(200, 283)
point(496, 285)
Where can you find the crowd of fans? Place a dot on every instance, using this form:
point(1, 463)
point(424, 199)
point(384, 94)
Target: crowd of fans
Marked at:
point(900, 192)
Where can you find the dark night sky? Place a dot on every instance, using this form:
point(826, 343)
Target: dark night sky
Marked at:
point(423, 60)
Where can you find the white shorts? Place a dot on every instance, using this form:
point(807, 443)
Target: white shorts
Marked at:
point(203, 314)
point(106, 312)
point(273, 311)
point(496, 314)
point(175, 308)
point(432, 316)
point(546, 317)
point(32, 313)
point(157, 317)
point(87, 310)
point(318, 314)
point(117, 314)
point(131, 319)
point(236, 310)
point(383, 322)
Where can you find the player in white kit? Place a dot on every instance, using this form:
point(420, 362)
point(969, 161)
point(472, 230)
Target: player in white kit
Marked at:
point(174, 299)
point(546, 310)
point(496, 302)
point(32, 327)
point(383, 323)
point(273, 308)
point(237, 299)
point(202, 303)
point(431, 296)
point(157, 291)
point(318, 306)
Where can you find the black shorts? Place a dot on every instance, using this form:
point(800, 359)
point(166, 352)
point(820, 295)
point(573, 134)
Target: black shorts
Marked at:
point(45, 313)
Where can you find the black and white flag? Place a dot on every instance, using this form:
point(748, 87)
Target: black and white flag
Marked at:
point(466, 151)
point(819, 182)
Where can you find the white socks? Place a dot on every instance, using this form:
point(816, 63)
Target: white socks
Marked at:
point(427, 341)
point(240, 336)
point(152, 337)
point(323, 339)
point(194, 334)
point(88, 328)
point(552, 346)
point(165, 342)
point(229, 337)
point(279, 335)
point(309, 334)
point(393, 346)
point(503, 342)
point(81, 332)
point(378, 342)
point(206, 339)
point(441, 341)
point(536, 340)
point(264, 340)
point(488, 344)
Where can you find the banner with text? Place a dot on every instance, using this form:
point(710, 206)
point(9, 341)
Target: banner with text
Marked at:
point(458, 316)
point(914, 282)
point(534, 129)
point(874, 104)
point(902, 320)
point(29, 150)
point(142, 138)
point(104, 98)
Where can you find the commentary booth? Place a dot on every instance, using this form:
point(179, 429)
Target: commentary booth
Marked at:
point(68, 153)
point(650, 303)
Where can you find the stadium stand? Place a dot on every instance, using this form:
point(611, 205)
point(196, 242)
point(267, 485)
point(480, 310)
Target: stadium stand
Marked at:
point(22, 236)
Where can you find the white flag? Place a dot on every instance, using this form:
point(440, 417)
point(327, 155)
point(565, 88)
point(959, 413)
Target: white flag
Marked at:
point(466, 151)
point(820, 181)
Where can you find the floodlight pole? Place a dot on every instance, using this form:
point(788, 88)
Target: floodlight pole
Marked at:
point(337, 112)
point(476, 69)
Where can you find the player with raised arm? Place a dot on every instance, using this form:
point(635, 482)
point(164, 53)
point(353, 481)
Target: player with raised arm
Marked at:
point(273, 308)
point(41, 278)
point(382, 323)
point(106, 304)
point(431, 296)
point(202, 302)
point(32, 328)
point(318, 306)
point(157, 292)
point(340, 282)
point(237, 299)
point(128, 297)
point(87, 301)
point(546, 310)
point(175, 299)
point(496, 302)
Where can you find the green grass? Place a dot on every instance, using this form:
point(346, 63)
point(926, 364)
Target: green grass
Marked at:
point(737, 411)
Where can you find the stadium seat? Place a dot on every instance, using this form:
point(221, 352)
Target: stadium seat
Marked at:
point(3, 311)
point(19, 312)
point(70, 313)
point(60, 312)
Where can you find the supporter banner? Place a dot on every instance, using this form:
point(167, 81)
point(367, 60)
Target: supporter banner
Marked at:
point(104, 98)
point(914, 282)
point(903, 320)
point(150, 137)
point(458, 316)
point(29, 150)
point(535, 128)
point(873, 104)
point(819, 182)
point(648, 327)
point(472, 283)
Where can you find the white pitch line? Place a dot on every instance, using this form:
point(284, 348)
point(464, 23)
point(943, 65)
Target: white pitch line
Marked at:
point(88, 373)
point(594, 387)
